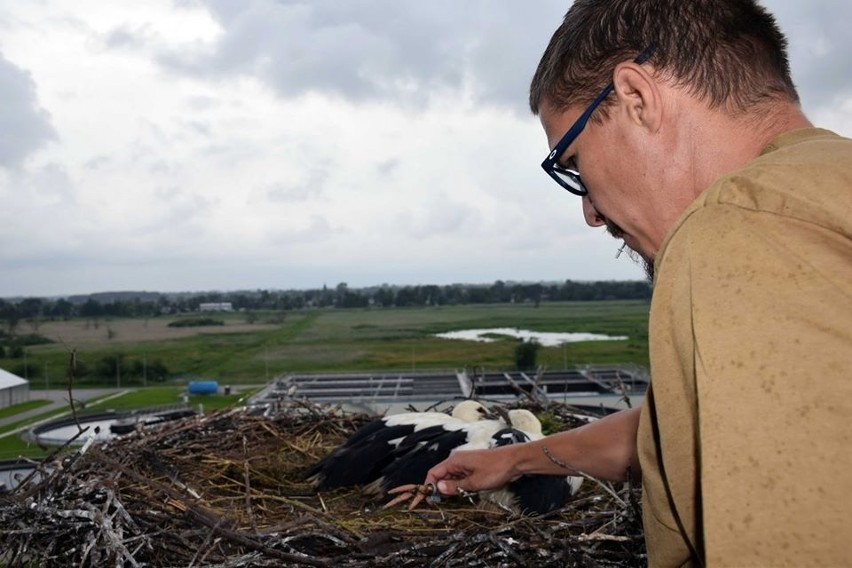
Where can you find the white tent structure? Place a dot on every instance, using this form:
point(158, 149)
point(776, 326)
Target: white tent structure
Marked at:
point(13, 389)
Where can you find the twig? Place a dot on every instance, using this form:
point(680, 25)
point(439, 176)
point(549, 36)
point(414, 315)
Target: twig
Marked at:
point(72, 371)
point(206, 543)
point(584, 475)
point(247, 478)
point(624, 396)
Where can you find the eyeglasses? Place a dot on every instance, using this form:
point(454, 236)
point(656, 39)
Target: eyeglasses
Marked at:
point(570, 178)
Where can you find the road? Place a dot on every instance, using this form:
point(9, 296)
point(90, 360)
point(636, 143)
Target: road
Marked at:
point(58, 399)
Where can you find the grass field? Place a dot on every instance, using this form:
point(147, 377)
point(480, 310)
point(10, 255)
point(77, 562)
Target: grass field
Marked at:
point(161, 396)
point(84, 332)
point(13, 446)
point(22, 407)
point(333, 340)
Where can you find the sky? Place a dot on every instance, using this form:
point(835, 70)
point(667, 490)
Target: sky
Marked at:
point(189, 145)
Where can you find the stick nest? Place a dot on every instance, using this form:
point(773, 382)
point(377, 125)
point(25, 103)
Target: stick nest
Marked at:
point(227, 490)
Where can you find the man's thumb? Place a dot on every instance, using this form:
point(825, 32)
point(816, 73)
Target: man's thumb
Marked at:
point(448, 487)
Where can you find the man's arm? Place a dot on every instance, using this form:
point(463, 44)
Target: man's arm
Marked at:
point(605, 449)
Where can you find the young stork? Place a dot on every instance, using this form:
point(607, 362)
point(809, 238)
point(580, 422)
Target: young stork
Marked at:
point(421, 451)
point(529, 494)
point(533, 493)
point(363, 457)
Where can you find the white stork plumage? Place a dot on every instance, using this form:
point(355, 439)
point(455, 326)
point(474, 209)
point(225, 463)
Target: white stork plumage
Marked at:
point(399, 450)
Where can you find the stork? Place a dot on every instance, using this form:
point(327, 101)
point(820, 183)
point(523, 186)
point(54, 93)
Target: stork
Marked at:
point(392, 455)
point(528, 494)
point(362, 457)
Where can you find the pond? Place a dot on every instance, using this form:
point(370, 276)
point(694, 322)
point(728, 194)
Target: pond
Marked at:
point(546, 338)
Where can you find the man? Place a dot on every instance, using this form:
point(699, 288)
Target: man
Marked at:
point(698, 156)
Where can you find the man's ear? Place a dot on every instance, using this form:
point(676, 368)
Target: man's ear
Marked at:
point(638, 95)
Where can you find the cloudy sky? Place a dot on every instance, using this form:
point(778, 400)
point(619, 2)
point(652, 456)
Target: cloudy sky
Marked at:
point(173, 145)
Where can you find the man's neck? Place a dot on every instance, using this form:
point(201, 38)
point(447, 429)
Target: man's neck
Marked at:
point(733, 141)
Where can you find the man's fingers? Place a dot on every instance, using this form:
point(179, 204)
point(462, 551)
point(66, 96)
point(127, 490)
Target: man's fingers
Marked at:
point(439, 471)
point(449, 475)
point(447, 486)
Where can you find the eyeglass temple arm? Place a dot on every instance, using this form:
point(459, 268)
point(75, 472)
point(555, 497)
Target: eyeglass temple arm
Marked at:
point(581, 122)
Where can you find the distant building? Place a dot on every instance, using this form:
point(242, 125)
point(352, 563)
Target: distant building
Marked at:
point(13, 389)
point(216, 307)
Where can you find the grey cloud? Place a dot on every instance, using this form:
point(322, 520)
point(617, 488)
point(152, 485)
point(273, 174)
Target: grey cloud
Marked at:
point(199, 102)
point(280, 193)
point(310, 188)
point(510, 40)
point(201, 128)
point(318, 230)
point(126, 37)
point(820, 44)
point(186, 209)
point(97, 162)
point(441, 216)
point(388, 166)
point(163, 167)
point(379, 49)
point(406, 50)
point(52, 181)
point(25, 126)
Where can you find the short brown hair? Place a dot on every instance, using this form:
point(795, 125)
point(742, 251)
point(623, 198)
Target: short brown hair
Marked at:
point(729, 53)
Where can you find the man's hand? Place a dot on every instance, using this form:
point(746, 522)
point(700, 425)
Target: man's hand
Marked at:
point(475, 470)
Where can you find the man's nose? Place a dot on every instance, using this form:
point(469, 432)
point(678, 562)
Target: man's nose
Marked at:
point(593, 218)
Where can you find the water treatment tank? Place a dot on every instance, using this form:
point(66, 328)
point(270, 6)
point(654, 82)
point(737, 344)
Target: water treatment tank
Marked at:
point(203, 387)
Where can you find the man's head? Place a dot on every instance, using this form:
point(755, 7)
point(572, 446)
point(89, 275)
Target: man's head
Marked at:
point(728, 52)
point(656, 142)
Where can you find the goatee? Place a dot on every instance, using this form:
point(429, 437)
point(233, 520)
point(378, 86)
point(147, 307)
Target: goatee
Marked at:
point(644, 261)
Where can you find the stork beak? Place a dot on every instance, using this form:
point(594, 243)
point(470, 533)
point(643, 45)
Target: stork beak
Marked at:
point(485, 414)
point(503, 414)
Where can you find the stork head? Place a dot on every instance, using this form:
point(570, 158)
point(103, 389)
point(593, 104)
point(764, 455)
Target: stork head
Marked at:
point(525, 421)
point(470, 411)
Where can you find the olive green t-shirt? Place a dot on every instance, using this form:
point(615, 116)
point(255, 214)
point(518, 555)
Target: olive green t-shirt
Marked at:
point(746, 439)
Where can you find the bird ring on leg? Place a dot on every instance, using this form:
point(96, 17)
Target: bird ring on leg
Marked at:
point(417, 493)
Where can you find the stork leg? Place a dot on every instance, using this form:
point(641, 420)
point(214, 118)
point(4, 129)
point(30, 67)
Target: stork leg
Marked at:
point(416, 493)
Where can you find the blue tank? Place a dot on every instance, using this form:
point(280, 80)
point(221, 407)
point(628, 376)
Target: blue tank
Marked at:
point(203, 387)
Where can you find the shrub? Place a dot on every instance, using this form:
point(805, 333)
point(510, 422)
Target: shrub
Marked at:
point(525, 354)
point(195, 322)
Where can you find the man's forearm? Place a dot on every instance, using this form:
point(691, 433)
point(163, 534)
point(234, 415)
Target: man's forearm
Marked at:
point(605, 449)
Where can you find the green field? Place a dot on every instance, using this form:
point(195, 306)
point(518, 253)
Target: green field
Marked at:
point(162, 396)
point(22, 407)
point(327, 340)
point(333, 340)
point(13, 446)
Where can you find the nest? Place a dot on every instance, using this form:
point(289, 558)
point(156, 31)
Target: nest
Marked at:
point(228, 490)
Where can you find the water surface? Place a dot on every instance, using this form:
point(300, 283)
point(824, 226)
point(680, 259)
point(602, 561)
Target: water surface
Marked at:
point(546, 338)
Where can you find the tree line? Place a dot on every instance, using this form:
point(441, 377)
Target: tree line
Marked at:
point(152, 304)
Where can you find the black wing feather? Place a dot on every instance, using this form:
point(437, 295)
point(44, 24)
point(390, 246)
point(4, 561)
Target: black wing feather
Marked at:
point(419, 453)
point(361, 458)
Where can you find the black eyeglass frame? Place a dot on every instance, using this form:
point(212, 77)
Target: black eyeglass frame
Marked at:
point(551, 164)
